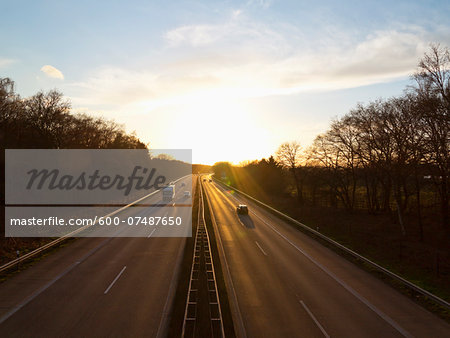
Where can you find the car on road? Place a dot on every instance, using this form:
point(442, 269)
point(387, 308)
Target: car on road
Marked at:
point(183, 184)
point(187, 194)
point(242, 209)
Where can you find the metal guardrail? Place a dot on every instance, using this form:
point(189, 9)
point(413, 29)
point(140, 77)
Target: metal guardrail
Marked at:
point(202, 285)
point(392, 275)
point(51, 244)
point(238, 322)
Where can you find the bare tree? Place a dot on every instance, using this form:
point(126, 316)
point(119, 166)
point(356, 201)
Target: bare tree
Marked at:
point(433, 90)
point(44, 121)
point(433, 73)
point(165, 157)
point(289, 156)
point(333, 151)
point(48, 113)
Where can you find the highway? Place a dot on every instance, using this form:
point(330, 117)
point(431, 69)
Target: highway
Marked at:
point(99, 287)
point(280, 283)
point(286, 284)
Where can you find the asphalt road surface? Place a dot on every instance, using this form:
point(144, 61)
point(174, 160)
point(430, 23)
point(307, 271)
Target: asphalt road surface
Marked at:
point(98, 287)
point(288, 285)
point(281, 283)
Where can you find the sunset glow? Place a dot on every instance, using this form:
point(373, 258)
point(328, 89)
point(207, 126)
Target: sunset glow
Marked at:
point(254, 74)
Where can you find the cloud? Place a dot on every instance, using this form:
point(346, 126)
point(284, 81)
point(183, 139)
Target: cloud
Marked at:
point(281, 59)
point(261, 3)
point(195, 35)
point(236, 33)
point(241, 58)
point(6, 62)
point(53, 72)
point(236, 13)
point(380, 57)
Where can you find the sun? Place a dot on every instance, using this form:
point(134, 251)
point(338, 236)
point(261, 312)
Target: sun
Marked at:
point(218, 128)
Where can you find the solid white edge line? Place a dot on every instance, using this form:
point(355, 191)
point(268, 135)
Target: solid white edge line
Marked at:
point(238, 322)
point(380, 313)
point(315, 320)
point(70, 268)
point(69, 235)
point(165, 316)
point(115, 280)
point(37, 293)
point(54, 280)
point(259, 246)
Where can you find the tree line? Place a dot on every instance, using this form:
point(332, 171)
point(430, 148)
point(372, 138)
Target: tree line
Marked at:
point(385, 156)
point(45, 121)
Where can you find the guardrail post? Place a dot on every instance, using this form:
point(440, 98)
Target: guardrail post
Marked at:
point(405, 282)
point(437, 263)
point(18, 257)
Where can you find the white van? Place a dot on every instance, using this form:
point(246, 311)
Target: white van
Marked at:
point(168, 193)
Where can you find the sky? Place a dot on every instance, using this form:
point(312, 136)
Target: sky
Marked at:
point(231, 80)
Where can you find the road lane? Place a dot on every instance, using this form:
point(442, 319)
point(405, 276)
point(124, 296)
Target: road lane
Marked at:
point(295, 278)
point(76, 304)
point(267, 307)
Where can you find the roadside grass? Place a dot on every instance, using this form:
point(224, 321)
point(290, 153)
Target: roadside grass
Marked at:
point(378, 238)
point(28, 246)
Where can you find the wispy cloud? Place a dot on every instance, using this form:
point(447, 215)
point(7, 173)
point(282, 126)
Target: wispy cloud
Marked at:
point(53, 72)
point(195, 35)
point(6, 62)
point(244, 58)
point(261, 3)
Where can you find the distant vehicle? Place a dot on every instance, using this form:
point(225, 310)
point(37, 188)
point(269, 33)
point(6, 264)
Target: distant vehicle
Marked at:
point(183, 184)
point(187, 194)
point(168, 193)
point(242, 209)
